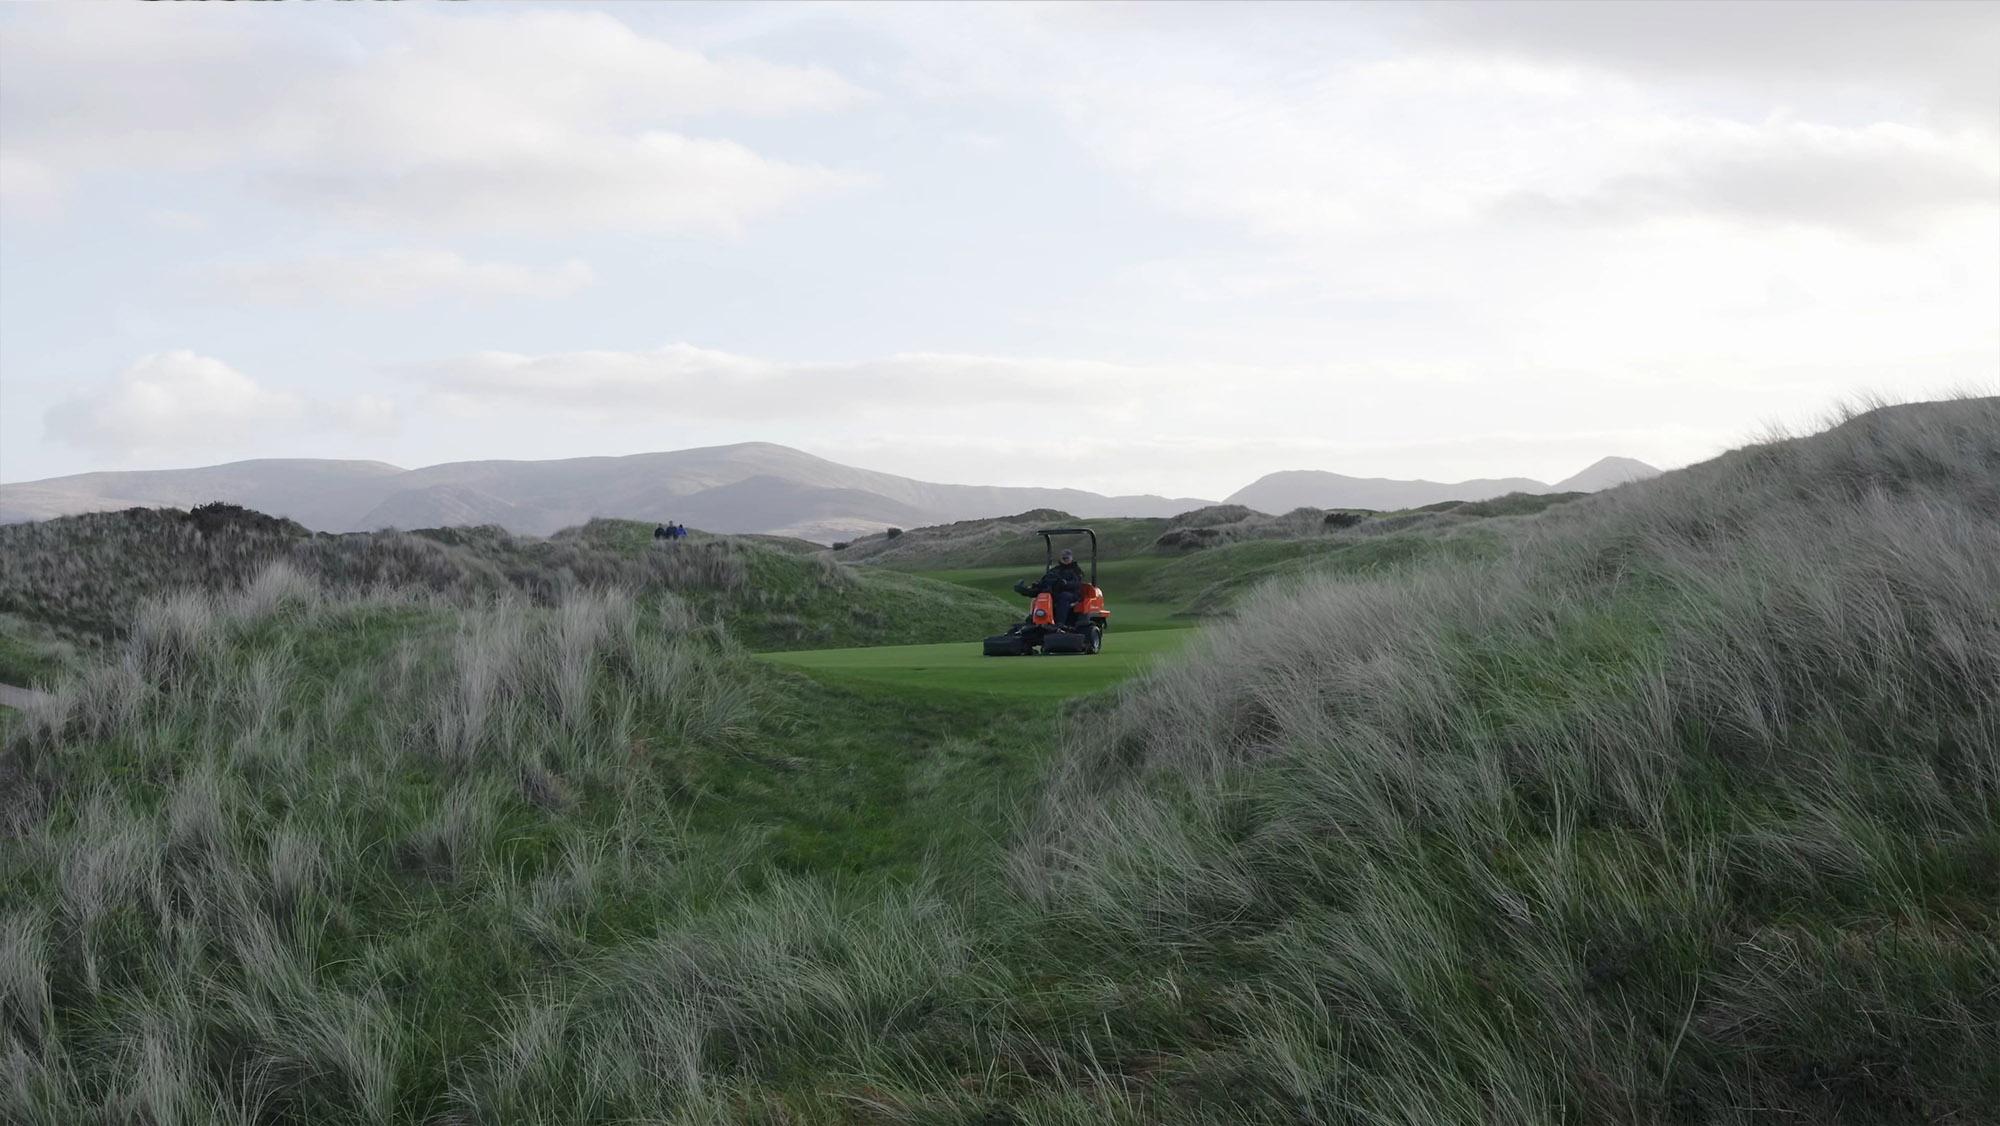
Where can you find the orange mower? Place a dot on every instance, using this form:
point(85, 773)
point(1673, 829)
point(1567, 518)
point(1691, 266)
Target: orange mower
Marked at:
point(1079, 630)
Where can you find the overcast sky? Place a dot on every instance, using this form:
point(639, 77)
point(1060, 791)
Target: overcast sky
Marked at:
point(1127, 248)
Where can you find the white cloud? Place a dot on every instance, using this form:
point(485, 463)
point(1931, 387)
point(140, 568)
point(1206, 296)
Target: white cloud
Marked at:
point(654, 181)
point(1942, 48)
point(1363, 155)
point(1365, 184)
point(1880, 180)
point(541, 120)
point(1308, 123)
point(393, 277)
point(183, 402)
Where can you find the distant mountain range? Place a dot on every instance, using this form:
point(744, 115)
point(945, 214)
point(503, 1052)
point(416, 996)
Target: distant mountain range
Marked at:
point(750, 487)
point(1314, 488)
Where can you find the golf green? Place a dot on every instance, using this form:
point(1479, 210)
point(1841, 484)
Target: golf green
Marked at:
point(959, 666)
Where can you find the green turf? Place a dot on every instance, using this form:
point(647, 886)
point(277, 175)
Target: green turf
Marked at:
point(1116, 577)
point(960, 667)
point(1003, 541)
point(30, 653)
point(1208, 582)
point(1149, 592)
point(776, 597)
point(854, 779)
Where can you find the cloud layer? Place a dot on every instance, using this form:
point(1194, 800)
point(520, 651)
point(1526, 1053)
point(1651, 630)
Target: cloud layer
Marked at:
point(392, 277)
point(179, 402)
point(1932, 52)
point(1299, 125)
point(539, 120)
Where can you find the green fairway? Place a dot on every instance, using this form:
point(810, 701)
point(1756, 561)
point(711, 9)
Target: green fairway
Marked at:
point(960, 667)
point(1116, 577)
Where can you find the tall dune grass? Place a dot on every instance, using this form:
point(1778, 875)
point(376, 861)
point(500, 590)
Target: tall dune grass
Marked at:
point(87, 575)
point(1685, 810)
point(78, 582)
point(1688, 810)
point(240, 855)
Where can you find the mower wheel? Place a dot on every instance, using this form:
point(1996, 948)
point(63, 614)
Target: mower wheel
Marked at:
point(1093, 638)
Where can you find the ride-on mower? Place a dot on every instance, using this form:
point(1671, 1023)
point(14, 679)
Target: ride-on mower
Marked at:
point(1082, 632)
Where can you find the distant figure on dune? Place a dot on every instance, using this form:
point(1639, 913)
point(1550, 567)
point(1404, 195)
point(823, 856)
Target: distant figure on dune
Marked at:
point(662, 532)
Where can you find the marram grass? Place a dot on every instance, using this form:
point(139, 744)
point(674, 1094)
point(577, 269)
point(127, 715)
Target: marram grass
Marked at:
point(1679, 804)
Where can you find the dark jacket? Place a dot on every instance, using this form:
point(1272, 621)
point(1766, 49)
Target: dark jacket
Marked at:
point(1058, 580)
point(1064, 578)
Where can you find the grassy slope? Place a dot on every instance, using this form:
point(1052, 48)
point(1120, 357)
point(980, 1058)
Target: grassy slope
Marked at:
point(794, 602)
point(402, 885)
point(1690, 811)
point(1668, 814)
point(936, 672)
point(1119, 578)
point(774, 593)
point(81, 578)
point(1206, 582)
point(1168, 587)
point(771, 592)
point(30, 652)
point(1009, 541)
point(634, 535)
point(1172, 592)
point(999, 541)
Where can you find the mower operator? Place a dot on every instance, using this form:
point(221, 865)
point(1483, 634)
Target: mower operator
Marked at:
point(1065, 581)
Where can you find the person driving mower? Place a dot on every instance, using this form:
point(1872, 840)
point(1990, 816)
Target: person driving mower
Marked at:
point(1064, 580)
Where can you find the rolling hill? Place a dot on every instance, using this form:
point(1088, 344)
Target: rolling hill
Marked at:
point(1604, 473)
point(751, 487)
point(1315, 488)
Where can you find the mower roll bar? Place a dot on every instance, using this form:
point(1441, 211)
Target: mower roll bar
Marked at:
point(1049, 547)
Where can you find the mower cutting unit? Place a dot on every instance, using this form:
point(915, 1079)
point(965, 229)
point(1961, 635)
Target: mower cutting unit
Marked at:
point(1083, 629)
